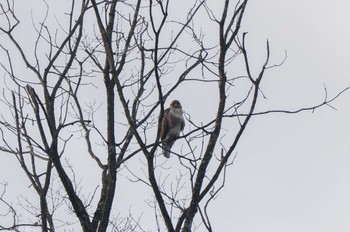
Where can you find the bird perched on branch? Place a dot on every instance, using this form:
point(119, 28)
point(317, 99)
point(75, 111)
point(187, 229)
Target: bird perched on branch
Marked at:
point(172, 124)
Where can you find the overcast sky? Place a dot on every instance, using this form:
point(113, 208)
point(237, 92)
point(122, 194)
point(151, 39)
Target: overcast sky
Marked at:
point(292, 171)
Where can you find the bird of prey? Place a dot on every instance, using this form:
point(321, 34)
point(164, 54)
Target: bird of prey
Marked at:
point(172, 124)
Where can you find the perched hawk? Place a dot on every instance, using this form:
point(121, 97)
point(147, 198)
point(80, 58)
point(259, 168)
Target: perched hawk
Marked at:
point(172, 124)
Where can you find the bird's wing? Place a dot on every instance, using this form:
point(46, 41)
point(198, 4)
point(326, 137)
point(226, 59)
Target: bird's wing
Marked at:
point(182, 124)
point(165, 124)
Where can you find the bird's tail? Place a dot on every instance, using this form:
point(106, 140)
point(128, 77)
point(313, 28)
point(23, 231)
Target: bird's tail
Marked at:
point(166, 149)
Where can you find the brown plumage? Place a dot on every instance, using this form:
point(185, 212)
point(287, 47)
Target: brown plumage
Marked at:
point(172, 124)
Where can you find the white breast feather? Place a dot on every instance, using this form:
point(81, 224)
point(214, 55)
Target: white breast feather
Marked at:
point(175, 131)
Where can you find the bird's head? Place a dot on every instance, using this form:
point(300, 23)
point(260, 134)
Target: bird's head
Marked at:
point(175, 104)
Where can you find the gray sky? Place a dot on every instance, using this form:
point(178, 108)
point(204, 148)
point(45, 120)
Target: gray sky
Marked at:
point(292, 171)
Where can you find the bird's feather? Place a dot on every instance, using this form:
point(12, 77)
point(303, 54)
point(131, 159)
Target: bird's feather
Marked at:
point(172, 124)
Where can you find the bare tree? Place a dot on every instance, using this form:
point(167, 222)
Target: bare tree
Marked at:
point(125, 59)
